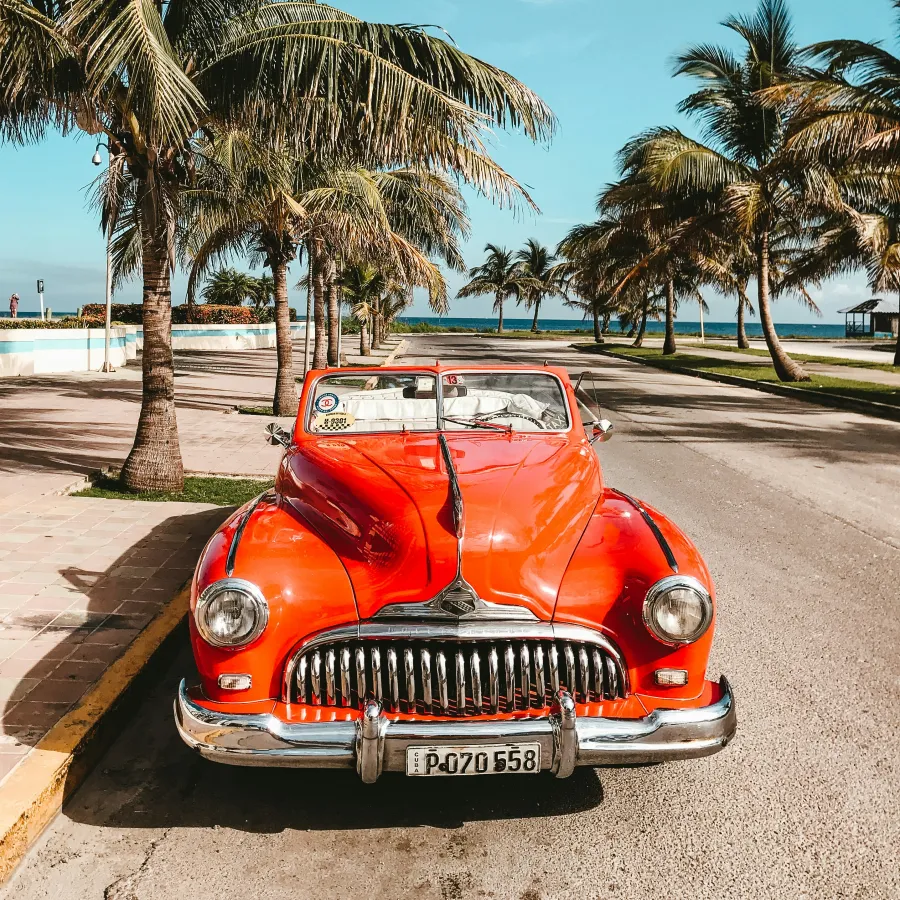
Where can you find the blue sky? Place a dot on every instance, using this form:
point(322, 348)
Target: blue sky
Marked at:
point(602, 65)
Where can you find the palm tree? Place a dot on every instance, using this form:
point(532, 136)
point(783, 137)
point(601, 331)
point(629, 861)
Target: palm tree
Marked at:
point(745, 161)
point(536, 262)
point(362, 286)
point(263, 292)
point(152, 78)
point(499, 275)
point(228, 287)
point(846, 118)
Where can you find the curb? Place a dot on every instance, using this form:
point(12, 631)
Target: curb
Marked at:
point(36, 789)
point(865, 407)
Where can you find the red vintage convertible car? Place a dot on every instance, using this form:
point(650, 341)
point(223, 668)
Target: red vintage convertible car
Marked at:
point(440, 583)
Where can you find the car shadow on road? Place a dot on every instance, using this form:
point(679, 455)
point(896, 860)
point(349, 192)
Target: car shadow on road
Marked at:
point(150, 779)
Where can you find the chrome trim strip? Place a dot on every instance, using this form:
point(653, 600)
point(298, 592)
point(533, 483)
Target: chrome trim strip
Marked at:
point(509, 660)
point(425, 658)
point(475, 667)
point(301, 679)
point(598, 674)
point(375, 656)
point(329, 677)
point(660, 538)
point(554, 670)
point(431, 610)
point(540, 684)
point(525, 670)
point(443, 692)
point(345, 676)
point(239, 531)
point(569, 655)
point(265, 740)
point(611, 677)
point(393, 678)
point(315, 678)
point(585, 673)
point(409, 666)
point(361, 687)
point(460, 683)
point(494, 679)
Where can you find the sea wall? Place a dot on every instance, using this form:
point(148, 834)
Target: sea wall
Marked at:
point(224, 337)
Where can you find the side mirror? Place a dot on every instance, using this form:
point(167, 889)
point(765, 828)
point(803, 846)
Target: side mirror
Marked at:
point(601, 431)
point(277, 435)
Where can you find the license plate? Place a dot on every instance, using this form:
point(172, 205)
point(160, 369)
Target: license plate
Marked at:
point(494, 759)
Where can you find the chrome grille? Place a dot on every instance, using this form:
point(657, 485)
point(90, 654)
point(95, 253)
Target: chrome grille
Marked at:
point(455, 678)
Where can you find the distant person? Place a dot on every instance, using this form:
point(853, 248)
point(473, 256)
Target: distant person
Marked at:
point(14, 306)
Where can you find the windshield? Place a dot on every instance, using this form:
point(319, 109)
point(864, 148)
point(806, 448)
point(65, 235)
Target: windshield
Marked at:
point(491, 401)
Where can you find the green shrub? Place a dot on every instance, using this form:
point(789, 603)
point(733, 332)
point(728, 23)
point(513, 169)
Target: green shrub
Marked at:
point(127, 313)
point(207, 314)
point(67, 322)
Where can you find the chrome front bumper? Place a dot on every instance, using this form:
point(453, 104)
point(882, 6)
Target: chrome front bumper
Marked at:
point(373, 744)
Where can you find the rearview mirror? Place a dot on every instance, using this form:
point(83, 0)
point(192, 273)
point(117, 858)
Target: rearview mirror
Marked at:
point(277, 435)
point(601, 431)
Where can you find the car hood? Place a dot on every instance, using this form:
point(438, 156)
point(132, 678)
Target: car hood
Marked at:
point(385, 508)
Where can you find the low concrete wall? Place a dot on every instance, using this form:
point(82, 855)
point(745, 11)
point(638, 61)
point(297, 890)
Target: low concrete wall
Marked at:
point(42, 351)
point(224, 337)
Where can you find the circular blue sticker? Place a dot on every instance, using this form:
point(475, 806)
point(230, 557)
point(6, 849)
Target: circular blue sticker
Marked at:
point(327, 403)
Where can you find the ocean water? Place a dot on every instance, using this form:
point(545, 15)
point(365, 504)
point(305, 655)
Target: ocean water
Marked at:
point(713, 329)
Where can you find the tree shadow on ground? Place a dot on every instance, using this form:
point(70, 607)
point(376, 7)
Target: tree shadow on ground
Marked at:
point(65, 650)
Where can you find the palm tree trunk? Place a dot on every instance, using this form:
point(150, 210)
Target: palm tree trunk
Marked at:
point(377, 326)
point(785, 368)
point(334, 319)
point(500, 318)
point(320, 353)
point(537, 312)
point(604, 327)
point(669, 343)
point(742, 341)
point(154, 463)
point(285, 402)
point(364, 338)
point(598, 334)
point(639, 340)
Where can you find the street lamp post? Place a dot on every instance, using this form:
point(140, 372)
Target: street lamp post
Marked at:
point(96, 159)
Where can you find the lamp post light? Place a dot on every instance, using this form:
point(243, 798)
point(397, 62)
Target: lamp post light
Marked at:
point(96, 159)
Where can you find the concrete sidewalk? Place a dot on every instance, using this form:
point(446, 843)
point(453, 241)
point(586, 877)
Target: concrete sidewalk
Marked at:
point(81, 577)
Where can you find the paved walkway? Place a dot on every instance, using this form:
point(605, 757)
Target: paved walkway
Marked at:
point(79, 576)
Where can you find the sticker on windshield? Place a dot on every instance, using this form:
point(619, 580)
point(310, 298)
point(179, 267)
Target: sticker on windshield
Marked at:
point(454, 379)
point(334, 421)
point(327, 403)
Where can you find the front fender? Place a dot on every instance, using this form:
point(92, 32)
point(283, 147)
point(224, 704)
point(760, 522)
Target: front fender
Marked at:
point(302, 579)
point(617, 561)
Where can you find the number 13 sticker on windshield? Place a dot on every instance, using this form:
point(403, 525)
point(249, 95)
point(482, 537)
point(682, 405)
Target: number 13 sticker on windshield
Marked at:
point(327, 403)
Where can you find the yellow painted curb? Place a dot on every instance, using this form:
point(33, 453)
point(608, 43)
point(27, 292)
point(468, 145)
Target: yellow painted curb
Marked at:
point(36, 789)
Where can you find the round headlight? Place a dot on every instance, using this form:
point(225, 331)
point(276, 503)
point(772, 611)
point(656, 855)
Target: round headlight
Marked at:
point(678, 610)
point(231, 613)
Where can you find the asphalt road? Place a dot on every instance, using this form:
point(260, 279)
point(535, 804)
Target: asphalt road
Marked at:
point(797, 510)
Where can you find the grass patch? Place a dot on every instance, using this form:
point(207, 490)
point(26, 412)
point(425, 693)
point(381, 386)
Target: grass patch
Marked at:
point(217, 491)
point(255, 410)
point(804, 357)
point(823, 384)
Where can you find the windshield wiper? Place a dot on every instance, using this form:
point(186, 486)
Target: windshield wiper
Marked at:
point(476, 423)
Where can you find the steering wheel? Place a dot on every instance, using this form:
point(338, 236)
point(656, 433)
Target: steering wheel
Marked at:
point(508, 414)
